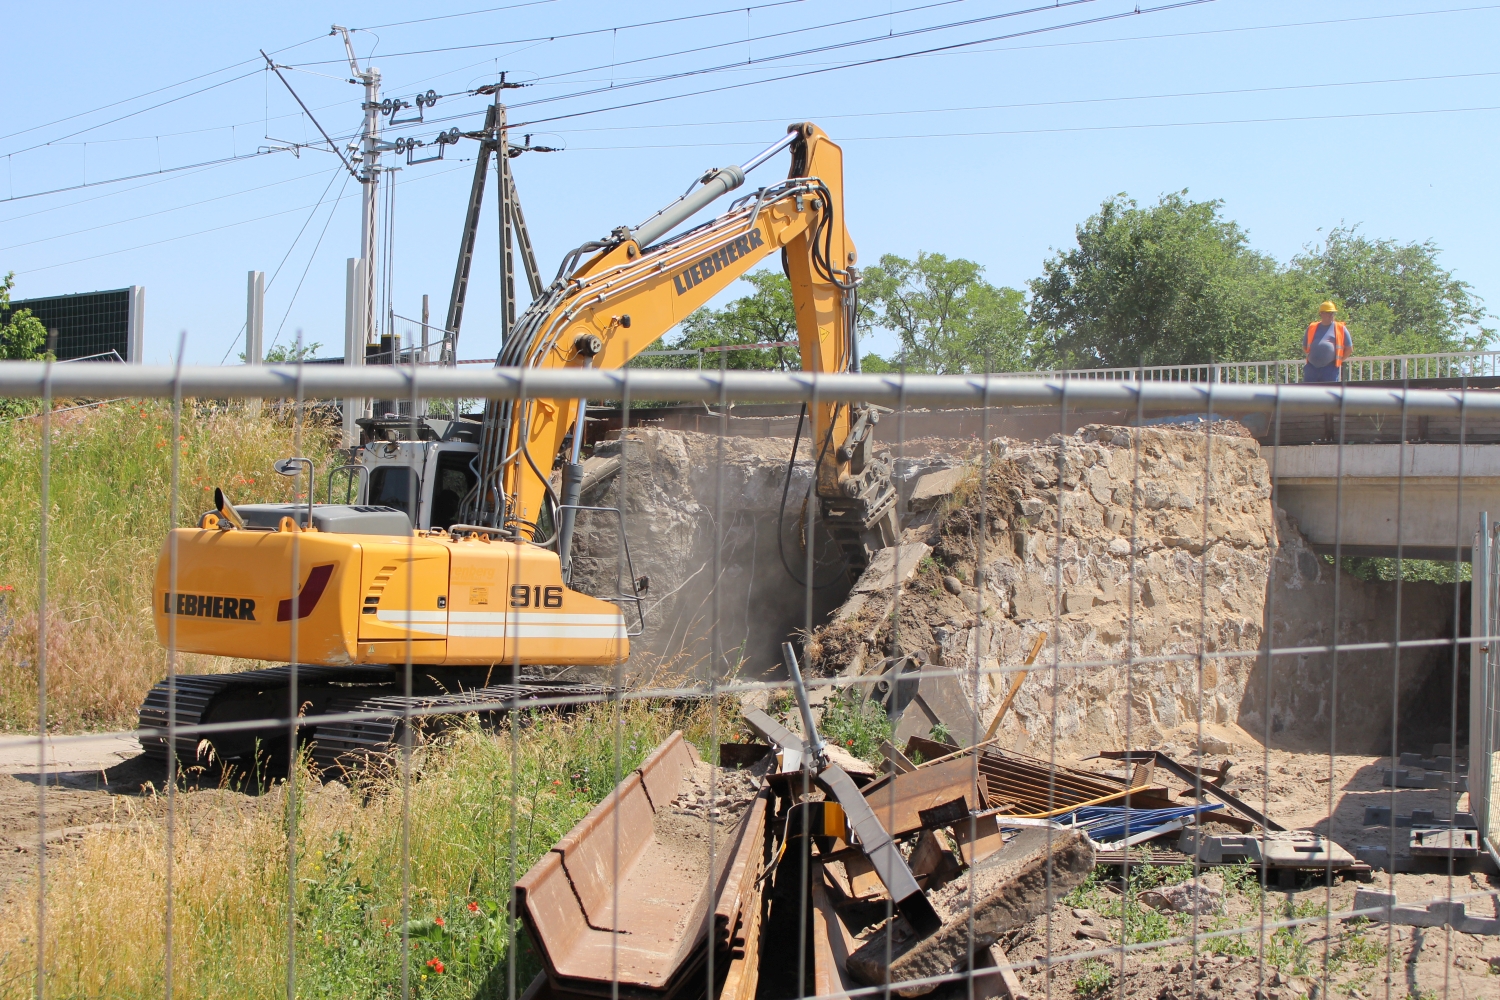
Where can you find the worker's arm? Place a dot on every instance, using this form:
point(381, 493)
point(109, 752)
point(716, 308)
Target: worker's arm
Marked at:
point(630, 292)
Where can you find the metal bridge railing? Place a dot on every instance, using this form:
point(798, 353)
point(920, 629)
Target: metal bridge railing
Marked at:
point(1375, 368)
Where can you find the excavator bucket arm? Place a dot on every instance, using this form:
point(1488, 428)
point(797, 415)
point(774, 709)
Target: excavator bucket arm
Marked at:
point(606, 310)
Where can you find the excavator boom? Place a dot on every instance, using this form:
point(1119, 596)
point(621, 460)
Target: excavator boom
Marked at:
point(606, 310)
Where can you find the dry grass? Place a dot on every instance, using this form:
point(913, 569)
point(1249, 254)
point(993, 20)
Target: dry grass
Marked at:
point(109, 510)
point(106, 898)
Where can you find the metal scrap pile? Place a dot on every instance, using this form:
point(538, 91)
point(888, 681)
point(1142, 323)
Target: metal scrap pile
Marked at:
point(691, 880)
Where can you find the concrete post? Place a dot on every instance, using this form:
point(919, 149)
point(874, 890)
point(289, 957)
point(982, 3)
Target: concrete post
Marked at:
point(135, 349)
point(255, 317)
point(255, 326)
point(355, 326)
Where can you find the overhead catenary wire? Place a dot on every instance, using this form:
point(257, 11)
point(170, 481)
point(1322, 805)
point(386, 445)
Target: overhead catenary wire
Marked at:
point(308, 267)
point(295, 240)
point(561, 36)
point(158, 90)
point(1042, 104)
point(1074, 128)
point(201, 232)
point(822, 69)
point(148, 173)
point(301, 104)
point(152, 215)
point(831, 46)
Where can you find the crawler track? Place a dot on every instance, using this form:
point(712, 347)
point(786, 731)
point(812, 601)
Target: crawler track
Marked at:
point(262, 698)
point(349, 743)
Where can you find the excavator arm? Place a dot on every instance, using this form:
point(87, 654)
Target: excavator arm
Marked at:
point(631, 290)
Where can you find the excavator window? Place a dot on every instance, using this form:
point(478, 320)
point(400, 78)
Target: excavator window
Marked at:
point(454, 480)
point(394, 486)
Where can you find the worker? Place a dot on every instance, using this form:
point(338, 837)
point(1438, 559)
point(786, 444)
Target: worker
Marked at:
point(1327, 345)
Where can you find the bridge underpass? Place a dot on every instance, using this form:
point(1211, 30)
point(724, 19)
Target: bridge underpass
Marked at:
point(1427, 497)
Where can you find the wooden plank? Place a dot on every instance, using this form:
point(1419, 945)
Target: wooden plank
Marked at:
point(1015, 686)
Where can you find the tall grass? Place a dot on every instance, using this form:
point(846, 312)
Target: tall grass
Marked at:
point(474, 797)
point(109, 508)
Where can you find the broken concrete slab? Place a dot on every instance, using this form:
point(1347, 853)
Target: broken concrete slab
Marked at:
point(890, 567)
point(1205, 896)
point(1004, 898)
point(931, 488)
point(1438, 913)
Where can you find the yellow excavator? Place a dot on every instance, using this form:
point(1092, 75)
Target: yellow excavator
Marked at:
point(454, 555)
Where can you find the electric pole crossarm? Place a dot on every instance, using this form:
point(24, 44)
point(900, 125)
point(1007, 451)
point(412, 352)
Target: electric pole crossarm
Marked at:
point(277, 70)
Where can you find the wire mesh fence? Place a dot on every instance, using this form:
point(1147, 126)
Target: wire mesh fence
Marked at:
point(1114, 705)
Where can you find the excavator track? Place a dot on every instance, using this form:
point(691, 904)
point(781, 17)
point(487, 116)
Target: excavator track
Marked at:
point(203, 699)
point(262, 696)
point(350, 744)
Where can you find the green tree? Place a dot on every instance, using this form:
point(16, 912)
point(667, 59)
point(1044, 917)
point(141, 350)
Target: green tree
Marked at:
point(1175, 283)
point(22, 336)
point(947, 318)
point(765, 316)
point(1394, 296)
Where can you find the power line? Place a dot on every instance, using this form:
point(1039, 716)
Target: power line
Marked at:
point(310, 258)
point(150, 215)
point(951, 51)
point(107, 194)
point(127, 100)
point(1044, 104)
point(148, 173)
point(158, 90)
point(169, 239)
point(295, 240)
point(1077, 128)
point(569, 34)
point(806, 30)
point(446, 17)
point(174, 100)
point(202, 232)
point(824, 48)
point(876, 60)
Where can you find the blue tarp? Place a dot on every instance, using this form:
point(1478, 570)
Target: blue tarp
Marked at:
point(1107, 823)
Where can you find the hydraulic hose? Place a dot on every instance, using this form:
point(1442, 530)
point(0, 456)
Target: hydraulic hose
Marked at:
point(781, 513)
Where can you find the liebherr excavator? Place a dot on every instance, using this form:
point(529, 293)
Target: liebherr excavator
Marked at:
point(454, 556)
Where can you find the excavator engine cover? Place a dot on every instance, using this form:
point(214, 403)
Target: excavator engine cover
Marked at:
point(374, 599)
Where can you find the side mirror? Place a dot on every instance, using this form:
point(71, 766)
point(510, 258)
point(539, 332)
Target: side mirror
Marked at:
point(290, 467)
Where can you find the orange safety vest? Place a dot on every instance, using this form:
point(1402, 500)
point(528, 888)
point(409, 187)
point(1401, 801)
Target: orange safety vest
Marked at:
point(1340, 341)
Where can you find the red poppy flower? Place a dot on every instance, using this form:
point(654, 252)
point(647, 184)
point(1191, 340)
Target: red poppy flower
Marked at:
point(473, 907)
point(438, 921)
point(435, 965)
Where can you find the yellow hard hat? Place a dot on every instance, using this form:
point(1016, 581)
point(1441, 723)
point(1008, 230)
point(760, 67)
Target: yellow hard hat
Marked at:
point(1328, 307)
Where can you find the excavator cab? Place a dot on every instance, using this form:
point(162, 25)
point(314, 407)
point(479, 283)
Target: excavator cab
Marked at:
point(425, 475)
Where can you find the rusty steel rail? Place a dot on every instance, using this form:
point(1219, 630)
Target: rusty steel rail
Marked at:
point(608, 911)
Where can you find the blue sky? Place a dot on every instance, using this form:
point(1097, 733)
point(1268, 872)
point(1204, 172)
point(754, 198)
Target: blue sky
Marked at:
point(1299, 115)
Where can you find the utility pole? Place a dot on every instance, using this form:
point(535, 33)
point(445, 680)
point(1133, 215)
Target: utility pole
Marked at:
point(493, 140)
point(369, 178)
